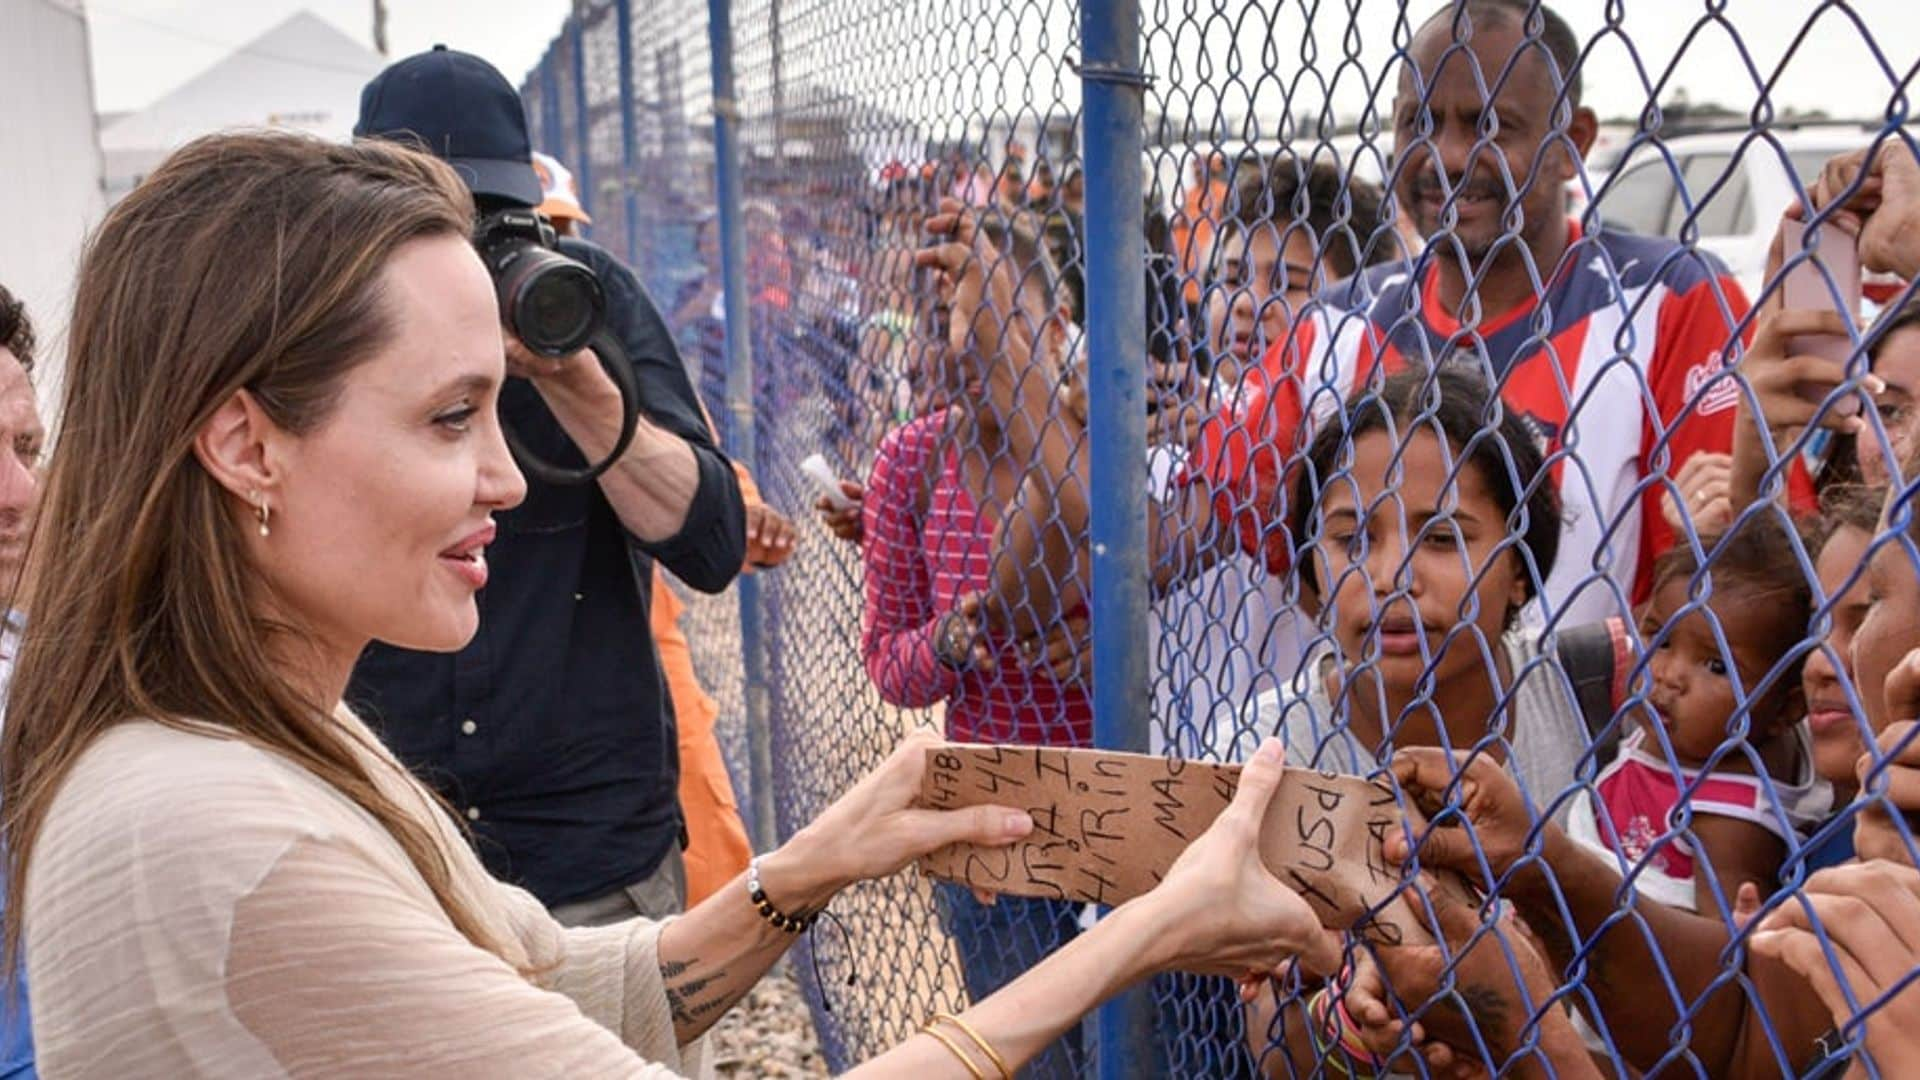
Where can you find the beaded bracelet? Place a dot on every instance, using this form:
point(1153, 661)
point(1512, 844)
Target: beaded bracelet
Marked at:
point(792, 924)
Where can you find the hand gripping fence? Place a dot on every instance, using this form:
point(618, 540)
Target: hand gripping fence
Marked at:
point(1435, 398)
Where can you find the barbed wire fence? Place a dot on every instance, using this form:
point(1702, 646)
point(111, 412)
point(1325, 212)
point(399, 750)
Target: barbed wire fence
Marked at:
point(1286, 152)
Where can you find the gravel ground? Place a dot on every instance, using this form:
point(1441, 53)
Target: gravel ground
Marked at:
point(770, 1034)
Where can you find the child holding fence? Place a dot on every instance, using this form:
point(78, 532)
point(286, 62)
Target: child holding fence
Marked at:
point(1425, 521)
point(939, 485)
point(1689, 750)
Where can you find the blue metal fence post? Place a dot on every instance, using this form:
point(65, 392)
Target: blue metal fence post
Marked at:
point(740, 384)
point(583, 133)
point(629, 138)
point(551, 129)
point(1113, 92)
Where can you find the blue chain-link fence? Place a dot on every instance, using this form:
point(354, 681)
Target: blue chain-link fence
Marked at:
point(1415, 401)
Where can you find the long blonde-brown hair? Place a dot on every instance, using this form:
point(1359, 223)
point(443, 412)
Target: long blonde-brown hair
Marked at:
point(246, 261)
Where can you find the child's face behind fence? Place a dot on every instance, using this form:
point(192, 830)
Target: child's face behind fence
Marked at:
point(1836, 730)
point(1891, 628)
point(380, 511)
point(1692, 680)
point(1401, 542)
point(1260, 284)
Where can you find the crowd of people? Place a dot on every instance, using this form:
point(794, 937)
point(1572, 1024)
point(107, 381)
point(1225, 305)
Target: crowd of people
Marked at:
point(1537, 515)
point(339, 745)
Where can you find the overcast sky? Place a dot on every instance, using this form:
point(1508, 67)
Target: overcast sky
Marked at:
point(143, 48)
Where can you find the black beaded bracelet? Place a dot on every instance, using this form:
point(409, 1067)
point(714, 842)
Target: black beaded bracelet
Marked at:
point(792, 924)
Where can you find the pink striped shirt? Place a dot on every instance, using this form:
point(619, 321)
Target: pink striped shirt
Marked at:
point(922, 554)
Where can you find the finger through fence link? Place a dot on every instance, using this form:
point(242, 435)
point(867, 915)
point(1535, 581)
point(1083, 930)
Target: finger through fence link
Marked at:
point(1531, 405)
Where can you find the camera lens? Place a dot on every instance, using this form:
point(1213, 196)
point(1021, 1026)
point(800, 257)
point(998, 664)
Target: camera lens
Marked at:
point(553, 303)
point(560, 308)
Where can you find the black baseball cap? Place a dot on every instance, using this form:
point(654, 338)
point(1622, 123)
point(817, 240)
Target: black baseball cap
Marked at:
point(464, 111)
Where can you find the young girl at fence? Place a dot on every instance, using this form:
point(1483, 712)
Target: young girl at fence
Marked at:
point(1683, 748)
point(1849, 514)
point(939, 484)
point(1426, 519)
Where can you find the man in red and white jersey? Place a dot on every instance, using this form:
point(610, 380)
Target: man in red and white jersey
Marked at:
point(1612, 344)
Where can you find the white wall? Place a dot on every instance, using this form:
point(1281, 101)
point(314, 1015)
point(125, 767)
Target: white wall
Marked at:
point(49, 166)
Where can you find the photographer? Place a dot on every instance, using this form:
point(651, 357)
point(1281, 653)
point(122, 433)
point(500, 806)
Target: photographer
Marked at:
point(551, 731)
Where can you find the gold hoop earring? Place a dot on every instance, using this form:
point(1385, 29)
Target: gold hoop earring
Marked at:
point(265, 511)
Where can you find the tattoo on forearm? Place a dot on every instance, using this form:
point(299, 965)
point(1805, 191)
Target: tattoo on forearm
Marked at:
point(696, 1000)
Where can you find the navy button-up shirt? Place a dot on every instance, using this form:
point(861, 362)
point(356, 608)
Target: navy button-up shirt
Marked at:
point(551, 732)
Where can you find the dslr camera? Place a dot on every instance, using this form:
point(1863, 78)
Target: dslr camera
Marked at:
point(556, 307)
point(552, 303)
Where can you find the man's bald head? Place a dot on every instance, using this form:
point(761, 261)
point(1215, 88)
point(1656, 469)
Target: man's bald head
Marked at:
point(1549, 36)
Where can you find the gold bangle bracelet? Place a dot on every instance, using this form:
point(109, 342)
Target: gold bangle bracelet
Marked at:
point(954, 1049)
point(986, 1047)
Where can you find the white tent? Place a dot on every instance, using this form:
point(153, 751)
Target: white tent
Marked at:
point(304, 74)
point(49, 165)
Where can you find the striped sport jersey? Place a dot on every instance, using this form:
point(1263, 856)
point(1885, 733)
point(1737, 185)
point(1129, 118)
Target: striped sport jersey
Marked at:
point(1619, 364)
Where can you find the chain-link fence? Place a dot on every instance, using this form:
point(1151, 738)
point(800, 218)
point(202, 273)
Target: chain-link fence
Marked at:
point(1482, 414)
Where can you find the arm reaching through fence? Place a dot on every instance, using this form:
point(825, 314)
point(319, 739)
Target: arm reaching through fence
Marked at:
point(900, 632)
point(1219, 911)
point(1002, 321)
point(1487, 984)
point(1641, 969)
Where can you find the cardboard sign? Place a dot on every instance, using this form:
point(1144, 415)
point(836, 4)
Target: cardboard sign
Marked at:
point(1108, 826)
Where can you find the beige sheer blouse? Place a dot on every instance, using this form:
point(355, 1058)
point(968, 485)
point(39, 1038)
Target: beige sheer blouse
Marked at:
point(197, 906)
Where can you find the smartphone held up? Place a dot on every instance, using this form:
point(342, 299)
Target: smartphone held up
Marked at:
point(1827, 278)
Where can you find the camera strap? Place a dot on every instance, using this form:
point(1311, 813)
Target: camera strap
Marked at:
point(606, 345)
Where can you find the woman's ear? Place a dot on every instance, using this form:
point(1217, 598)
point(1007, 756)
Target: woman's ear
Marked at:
point(1520, 591)
point(236, 447)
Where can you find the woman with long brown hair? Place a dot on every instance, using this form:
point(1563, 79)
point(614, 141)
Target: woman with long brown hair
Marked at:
point(280, 442)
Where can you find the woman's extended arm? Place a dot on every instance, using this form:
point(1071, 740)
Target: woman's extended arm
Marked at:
point(1219, 911)
point(711, 956)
